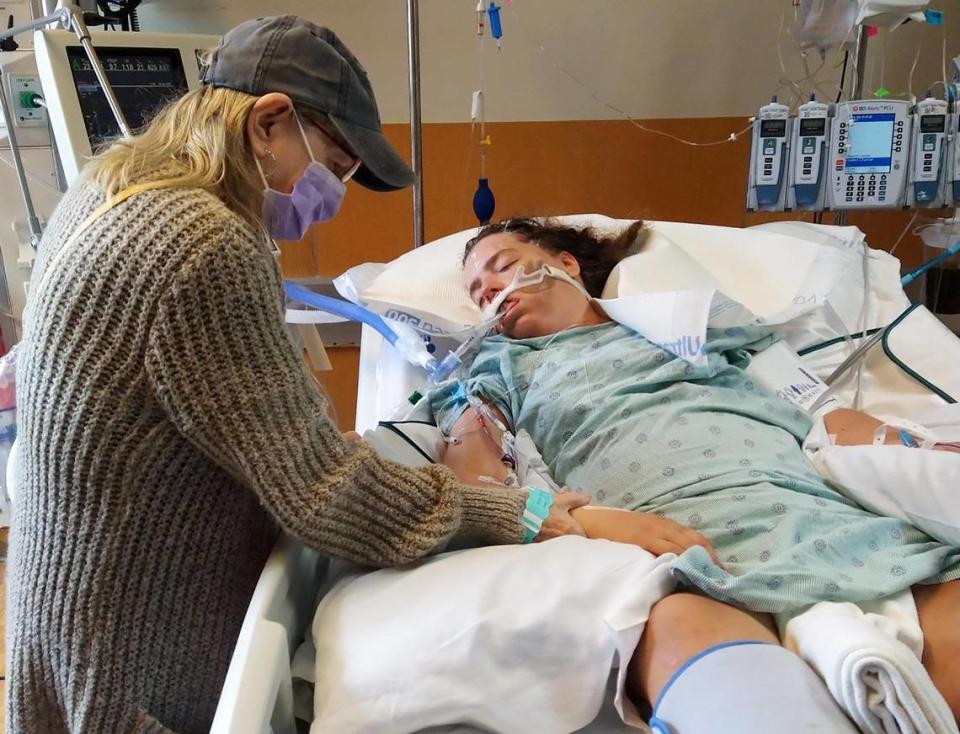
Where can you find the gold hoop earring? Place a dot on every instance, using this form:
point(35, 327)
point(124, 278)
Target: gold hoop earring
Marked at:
point(275, 164)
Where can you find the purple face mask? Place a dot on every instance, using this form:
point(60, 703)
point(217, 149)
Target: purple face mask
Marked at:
point(316, 197)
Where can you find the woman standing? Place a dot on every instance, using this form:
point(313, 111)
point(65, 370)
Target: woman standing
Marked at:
point(168, 428)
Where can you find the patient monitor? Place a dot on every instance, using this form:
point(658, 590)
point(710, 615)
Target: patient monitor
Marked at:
point(769, 158)
point(928, 158)
point(145, 70)
point(869, 155)
point(808, 156)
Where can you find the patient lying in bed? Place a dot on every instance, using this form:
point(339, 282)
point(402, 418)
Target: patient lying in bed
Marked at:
point(704, 458)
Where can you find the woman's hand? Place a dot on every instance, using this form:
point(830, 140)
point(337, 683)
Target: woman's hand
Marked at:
point(651, 532)
point(560, 521)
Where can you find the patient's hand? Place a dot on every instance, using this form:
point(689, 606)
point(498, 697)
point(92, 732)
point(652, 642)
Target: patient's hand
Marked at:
point(560, 521)
point(651, 532)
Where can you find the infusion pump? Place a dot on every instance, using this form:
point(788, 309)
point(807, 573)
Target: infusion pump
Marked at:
point(769, 158)
point(869, 155)
point(862, 154)
point(928, 159)
point(808, 156)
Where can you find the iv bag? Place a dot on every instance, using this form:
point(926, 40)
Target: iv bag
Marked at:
point(823, 24)
point(891, 13)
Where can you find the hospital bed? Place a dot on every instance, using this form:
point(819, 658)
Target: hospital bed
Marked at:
point(258, 694)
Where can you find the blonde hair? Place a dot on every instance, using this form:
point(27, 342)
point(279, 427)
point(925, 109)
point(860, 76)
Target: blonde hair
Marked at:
point(196, 141)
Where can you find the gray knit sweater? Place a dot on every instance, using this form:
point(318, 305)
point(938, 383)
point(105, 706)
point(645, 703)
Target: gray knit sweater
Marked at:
point(167, 427)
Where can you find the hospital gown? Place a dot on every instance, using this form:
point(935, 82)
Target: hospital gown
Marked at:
point(641, 429)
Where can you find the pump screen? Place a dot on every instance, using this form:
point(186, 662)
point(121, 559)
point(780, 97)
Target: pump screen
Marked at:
point(812, 126)
point(773, 128)
point(933, 123)
point(871, 143)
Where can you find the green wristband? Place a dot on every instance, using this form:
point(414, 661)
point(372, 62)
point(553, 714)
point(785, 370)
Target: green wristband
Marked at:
point(539, 502)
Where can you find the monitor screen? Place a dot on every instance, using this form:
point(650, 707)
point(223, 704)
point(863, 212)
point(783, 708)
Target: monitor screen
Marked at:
point(870, 147)
point(773, 128)
point(813, 126)
point(143, 79)
point(933, 123)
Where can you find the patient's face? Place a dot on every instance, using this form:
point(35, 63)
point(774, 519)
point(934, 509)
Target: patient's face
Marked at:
point(534, 311)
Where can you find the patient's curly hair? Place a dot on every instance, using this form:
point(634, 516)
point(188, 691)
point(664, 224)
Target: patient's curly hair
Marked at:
point(597, 255)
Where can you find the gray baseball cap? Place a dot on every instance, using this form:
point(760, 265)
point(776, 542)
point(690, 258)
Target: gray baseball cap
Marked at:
point(315, 69)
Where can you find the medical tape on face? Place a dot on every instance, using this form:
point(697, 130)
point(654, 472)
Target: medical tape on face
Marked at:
point(521, 279)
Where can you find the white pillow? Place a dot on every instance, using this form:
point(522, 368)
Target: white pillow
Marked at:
point(863, 267)
point(762, 270)
point(505, 638)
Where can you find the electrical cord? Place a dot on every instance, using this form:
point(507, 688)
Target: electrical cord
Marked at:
point(124, 14)
point(843, 76)
point(836, 340)
point(885, 342)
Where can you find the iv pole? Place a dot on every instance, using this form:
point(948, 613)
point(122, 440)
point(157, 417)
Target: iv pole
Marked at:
point(71, 17)
point(859, 69)
point(416, 146)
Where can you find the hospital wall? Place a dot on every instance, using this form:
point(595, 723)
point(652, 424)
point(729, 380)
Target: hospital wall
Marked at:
point(692, 68)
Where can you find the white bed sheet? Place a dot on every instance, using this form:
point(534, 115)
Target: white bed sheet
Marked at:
point(386, 381)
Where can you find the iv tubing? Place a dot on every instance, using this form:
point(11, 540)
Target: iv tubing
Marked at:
point(917, 272)
point(348, 310)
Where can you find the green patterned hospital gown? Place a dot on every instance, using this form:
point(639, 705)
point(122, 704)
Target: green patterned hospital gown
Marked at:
point(638, 428)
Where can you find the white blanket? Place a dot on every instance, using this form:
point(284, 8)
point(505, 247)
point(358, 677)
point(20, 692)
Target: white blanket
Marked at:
point(869, 656)
point(504, 638)
point(917, 485)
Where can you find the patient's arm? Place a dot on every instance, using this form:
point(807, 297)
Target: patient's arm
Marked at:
point(651, 532)
point(853, 428)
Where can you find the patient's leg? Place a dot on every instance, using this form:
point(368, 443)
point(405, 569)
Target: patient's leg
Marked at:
point(710, 667)
point(939, 609)
point(682, 625)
